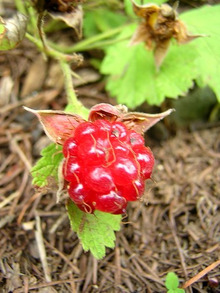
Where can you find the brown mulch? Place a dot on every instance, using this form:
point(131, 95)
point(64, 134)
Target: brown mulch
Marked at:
point(175, 227)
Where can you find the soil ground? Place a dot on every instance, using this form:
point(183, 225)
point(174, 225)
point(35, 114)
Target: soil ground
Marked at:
point(175, 227)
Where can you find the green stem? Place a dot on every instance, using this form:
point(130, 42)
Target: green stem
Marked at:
point(74, 105)
point(49, 51)
point(103, 44)
point(20, 6)
point(33, 19)
point(87, 43)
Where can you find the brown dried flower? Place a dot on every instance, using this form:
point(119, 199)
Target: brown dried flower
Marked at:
point(160, 24)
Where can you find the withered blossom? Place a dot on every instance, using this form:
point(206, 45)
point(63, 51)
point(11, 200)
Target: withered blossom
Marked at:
point(160, 24)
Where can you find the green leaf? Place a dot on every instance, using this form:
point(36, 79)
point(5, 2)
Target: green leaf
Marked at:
point(95, 231)
point(176, 290)
point(47, 166)
point(206, 21)
point(101, 20)
point(2, 30)
point(172, 281)
point(133, 78)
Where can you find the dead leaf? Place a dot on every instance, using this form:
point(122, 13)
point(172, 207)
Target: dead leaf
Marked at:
point(35, 77)
point(6, 85)
point(12, 31)
point(55, 78)
point(56, 5)
point(72, 19)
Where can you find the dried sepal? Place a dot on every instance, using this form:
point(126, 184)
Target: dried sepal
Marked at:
point(141, 122)
point(58, 125)
point(160, 24)
point(104, 111)
point(146, 9)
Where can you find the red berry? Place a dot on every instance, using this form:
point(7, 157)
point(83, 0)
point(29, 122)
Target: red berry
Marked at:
point(70, 147)
point(120, 150)
point(146, 160)
point(82, 197)
point(136, 139)
point(84, 130)
point(133, 191)
point(103, 125)
point(119, 131)
point(99, 179)
point(105, 166)
point(71, 170)
point(91, 152)
point(124, 170)
point(110, 203)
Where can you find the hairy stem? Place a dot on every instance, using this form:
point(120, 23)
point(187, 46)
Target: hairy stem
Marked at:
point(40, 22)
point(74, 105)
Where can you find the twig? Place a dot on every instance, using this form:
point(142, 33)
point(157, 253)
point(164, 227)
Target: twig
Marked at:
point(26, 206)
point(41, 249)
point(118, 266)
point(176, 239)
point(201, 274)
point(57, 223)
point(9, 199)
point(20, 153)
point(47, 96)
point(95, 271)
point(73, 267)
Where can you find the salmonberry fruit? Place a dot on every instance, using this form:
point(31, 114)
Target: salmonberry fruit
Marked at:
point(105, 166)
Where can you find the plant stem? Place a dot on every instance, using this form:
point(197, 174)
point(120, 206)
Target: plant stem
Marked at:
point(33, 19)
point(89, 42)
point(40, 21)
point(73, 103)
point(20, 6)
point(50, 51)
